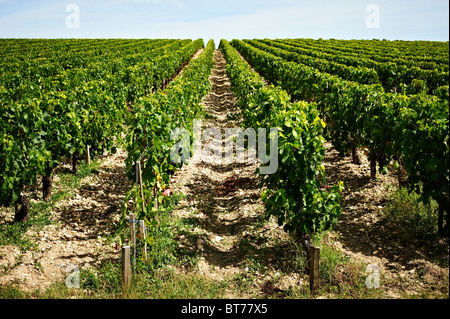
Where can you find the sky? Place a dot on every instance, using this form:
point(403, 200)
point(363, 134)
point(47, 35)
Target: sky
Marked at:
point(227, 19)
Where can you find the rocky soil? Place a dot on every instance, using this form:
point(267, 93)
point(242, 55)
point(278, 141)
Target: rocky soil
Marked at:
point(78, 235)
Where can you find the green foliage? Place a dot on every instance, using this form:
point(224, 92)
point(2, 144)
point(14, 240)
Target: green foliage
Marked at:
point(361, 75)
point(293, 195)
point(366, 61)
point(55, 102)
point(413, 128)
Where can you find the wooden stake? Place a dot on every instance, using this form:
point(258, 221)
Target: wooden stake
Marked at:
point(143, 236)
point(133, 237)
point(314, 263)
point(138, 173)
point(139, 182)
point(313, 255)
point(126, 269)
point(88, 155)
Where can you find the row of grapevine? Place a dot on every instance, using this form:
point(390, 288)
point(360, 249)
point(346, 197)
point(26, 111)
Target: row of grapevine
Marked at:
point(42, 121)
point(426, 55)
point(65, 54)
point(149, 135)
point(413, 129)
point(32, 78)
point(407, 78)
point(294, 194)
point(362, 75)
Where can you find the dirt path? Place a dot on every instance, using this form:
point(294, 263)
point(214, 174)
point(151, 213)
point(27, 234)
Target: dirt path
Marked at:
point(232, 236)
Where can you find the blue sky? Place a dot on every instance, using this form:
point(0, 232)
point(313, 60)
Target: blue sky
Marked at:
point(229, 19)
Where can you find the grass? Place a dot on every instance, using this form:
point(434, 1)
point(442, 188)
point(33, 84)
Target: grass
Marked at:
point(415, 224)
point(412, 218)
point(341, 276)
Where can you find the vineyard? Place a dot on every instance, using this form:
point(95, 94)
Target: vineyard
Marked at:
point(359, 129)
